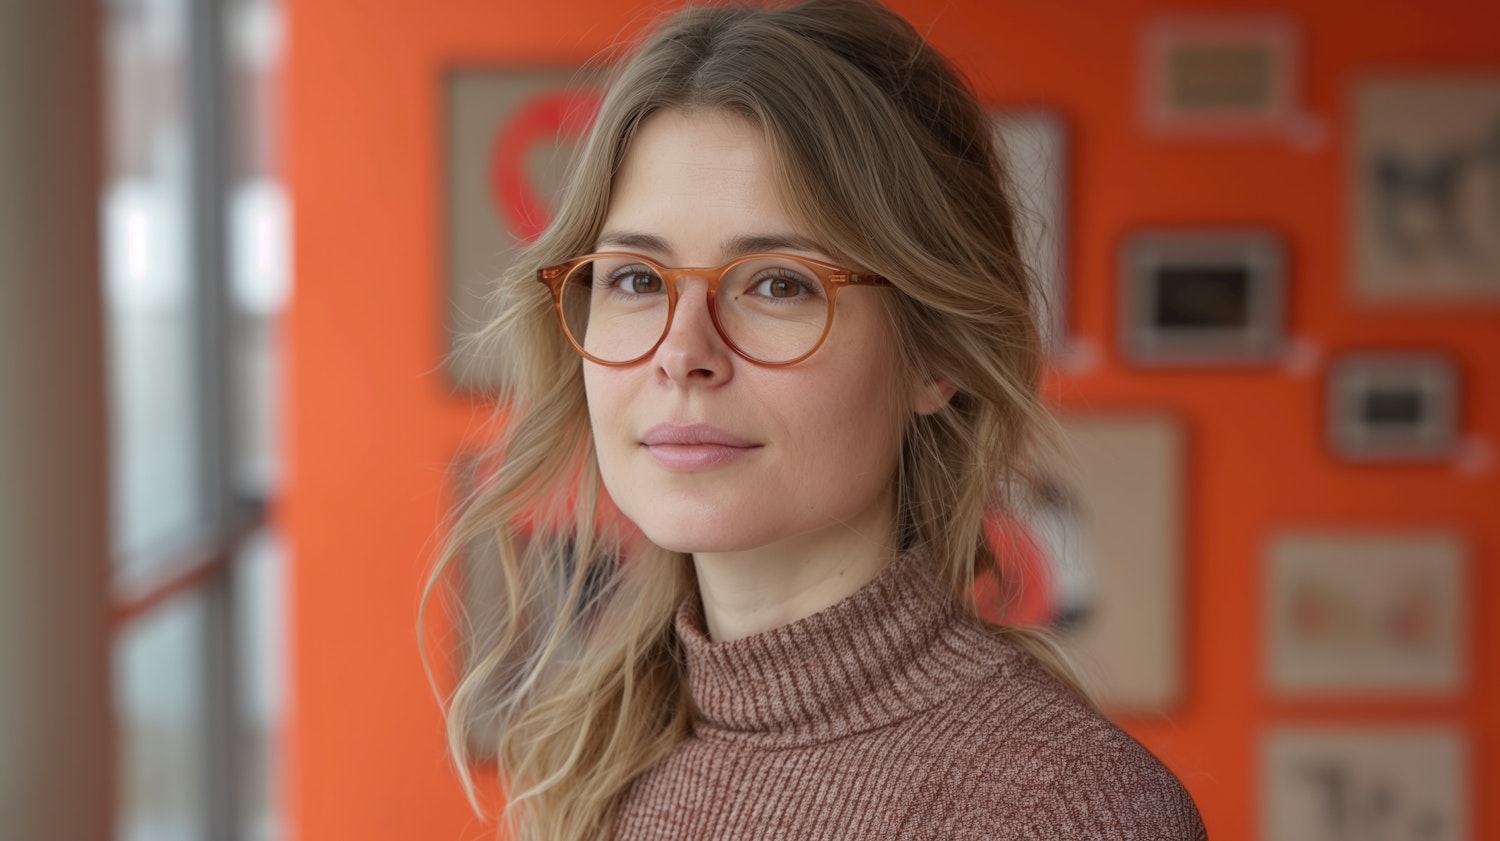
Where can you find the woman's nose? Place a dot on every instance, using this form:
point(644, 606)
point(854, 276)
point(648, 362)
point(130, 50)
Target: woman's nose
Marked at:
point(693, 351)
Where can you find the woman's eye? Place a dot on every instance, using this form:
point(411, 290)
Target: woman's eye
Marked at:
point(781, 287)
point(637, 281)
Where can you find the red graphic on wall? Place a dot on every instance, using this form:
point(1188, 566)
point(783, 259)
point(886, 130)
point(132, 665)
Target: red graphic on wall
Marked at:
point(564, 114)
point(1019, 590)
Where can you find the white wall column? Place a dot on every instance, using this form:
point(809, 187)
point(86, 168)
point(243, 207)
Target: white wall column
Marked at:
point(57, 758)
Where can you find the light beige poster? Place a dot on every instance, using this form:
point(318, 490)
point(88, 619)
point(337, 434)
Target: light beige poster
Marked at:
point(1378, 613)
point(1342, 783)
point(1118, 555)
point(1034, 146)
point(1425, 190)
point(510, 135)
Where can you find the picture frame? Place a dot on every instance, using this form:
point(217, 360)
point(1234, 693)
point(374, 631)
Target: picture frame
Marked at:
point(1398, 782)
point(1424, 182)
point(1393, 407)
point(1374, 614)
point(476, 569)
point(1220, 75)
point(1096, 555)
point(508, 136)
point(1202, 297)
point(1034, 144)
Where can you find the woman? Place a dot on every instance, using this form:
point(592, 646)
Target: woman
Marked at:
point(753, 494)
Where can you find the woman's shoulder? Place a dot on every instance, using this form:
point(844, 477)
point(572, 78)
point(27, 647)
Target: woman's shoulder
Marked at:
point(1046, 762)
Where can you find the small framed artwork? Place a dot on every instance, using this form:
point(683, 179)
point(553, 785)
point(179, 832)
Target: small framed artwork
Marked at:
point(1393, 407)
point(1371, 614)
point(1425, 191)
point(1344, 783)
point(1034, 144)
point(476, 594)
point(476, 574)
point(1202, 297)
point(1097, 557)
point(1224, 75)
point(509, 135)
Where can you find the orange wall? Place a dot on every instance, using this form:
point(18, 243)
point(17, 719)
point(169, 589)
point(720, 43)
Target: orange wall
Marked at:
point(372, 424)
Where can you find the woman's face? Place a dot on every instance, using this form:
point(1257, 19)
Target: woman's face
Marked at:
point(703, 450)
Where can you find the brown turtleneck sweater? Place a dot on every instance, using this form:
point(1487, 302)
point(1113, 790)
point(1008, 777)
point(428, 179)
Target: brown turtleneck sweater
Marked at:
point(891, 716)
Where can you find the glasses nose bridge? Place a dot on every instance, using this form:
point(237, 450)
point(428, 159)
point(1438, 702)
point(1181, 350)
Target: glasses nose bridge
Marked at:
point(709, 275)
point(679, 286)
point(679, 280)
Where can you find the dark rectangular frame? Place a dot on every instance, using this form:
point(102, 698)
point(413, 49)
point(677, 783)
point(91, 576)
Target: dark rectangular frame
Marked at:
point(1144, 256)
point(1432, 377)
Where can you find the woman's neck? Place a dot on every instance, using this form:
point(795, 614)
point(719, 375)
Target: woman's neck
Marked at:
point(756, 590)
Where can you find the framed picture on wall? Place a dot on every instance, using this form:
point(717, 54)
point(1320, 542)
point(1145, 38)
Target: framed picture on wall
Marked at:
point(509, 134)
point(1202, 297)
point(1373, 783)
point(1034, 143)
point(1393, 407)
point(1424, 186)
point(467, 474)
point(1367, 614)
point(1224, 74)
point(477, 589)
point(1097, 556)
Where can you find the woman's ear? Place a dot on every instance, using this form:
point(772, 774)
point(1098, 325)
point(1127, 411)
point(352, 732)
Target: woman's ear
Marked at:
point(932, 395)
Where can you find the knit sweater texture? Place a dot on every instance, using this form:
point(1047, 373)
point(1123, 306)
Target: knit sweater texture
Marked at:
point(891, 715)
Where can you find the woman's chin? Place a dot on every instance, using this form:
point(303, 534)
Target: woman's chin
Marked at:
point(697, 540)
point(697, 546)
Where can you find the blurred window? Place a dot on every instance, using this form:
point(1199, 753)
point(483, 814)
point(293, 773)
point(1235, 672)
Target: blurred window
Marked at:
point(195, 224)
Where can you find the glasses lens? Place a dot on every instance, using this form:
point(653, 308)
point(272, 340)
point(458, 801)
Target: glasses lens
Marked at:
point(773, 309)
point(615, 308)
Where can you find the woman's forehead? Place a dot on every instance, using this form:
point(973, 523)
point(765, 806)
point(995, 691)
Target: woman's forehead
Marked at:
point(700, 186)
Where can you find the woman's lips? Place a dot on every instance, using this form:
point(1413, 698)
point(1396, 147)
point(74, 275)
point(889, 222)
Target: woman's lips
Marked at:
point(689, 447)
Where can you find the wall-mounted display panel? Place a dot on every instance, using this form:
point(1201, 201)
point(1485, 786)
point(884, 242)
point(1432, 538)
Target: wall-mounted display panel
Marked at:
point(1424, 186)
point(1034, 145)
point(1219, 75)
point(1393, 407)
point(1102, 544)
point(1331, 784)
point(509, 137)
point(1369, 614)
point(1202, 297)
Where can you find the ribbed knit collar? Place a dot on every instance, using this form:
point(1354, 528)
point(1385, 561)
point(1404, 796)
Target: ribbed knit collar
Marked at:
point(897, 646)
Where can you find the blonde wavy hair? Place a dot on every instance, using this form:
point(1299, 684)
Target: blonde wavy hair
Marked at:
point(575, 684)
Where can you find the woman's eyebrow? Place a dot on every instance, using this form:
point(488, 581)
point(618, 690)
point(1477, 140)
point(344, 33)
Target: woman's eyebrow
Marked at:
point(732, 247)
point(634, 240)
point(771, 242)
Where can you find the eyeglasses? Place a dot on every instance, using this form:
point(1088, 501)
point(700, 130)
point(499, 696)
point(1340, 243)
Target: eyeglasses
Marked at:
point(772, 309)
